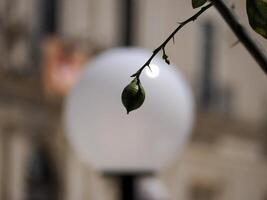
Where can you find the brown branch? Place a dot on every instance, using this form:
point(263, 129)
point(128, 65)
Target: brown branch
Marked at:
point(171, 36)
point(241, 33)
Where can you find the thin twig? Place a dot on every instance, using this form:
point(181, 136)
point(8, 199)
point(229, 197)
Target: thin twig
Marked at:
point(234, 43)
point(162, 46)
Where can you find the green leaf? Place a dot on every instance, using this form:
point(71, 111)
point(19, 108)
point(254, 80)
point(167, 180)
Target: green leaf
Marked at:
point(257, 16)
point(198, 3)
point(133, 95)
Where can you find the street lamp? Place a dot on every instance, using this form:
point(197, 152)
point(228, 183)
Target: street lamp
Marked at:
point(146, 140)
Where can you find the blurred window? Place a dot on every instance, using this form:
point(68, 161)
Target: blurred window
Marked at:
point(48, 18)
point(41, 177)
point(207, 62)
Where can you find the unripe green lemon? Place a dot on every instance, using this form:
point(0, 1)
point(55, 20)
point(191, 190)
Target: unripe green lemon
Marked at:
point(133, 96)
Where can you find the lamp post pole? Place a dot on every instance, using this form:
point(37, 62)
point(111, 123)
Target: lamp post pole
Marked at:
point(128, 182)
point(127, 186)
point(127, 18)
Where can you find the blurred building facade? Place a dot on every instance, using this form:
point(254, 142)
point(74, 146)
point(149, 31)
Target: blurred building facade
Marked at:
point(44, 44)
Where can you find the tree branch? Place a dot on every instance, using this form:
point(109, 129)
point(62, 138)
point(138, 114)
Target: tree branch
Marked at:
point(241, 33)
point(171, 36)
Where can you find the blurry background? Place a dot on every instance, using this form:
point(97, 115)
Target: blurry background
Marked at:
point(43, 46)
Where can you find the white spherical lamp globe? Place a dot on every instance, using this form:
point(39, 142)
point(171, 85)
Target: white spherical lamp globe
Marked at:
point(147, 139)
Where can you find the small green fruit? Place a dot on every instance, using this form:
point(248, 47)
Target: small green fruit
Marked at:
point(133, 95)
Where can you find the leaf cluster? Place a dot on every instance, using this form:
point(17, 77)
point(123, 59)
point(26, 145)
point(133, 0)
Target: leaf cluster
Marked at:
point(256, 12)
point(133, 95)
